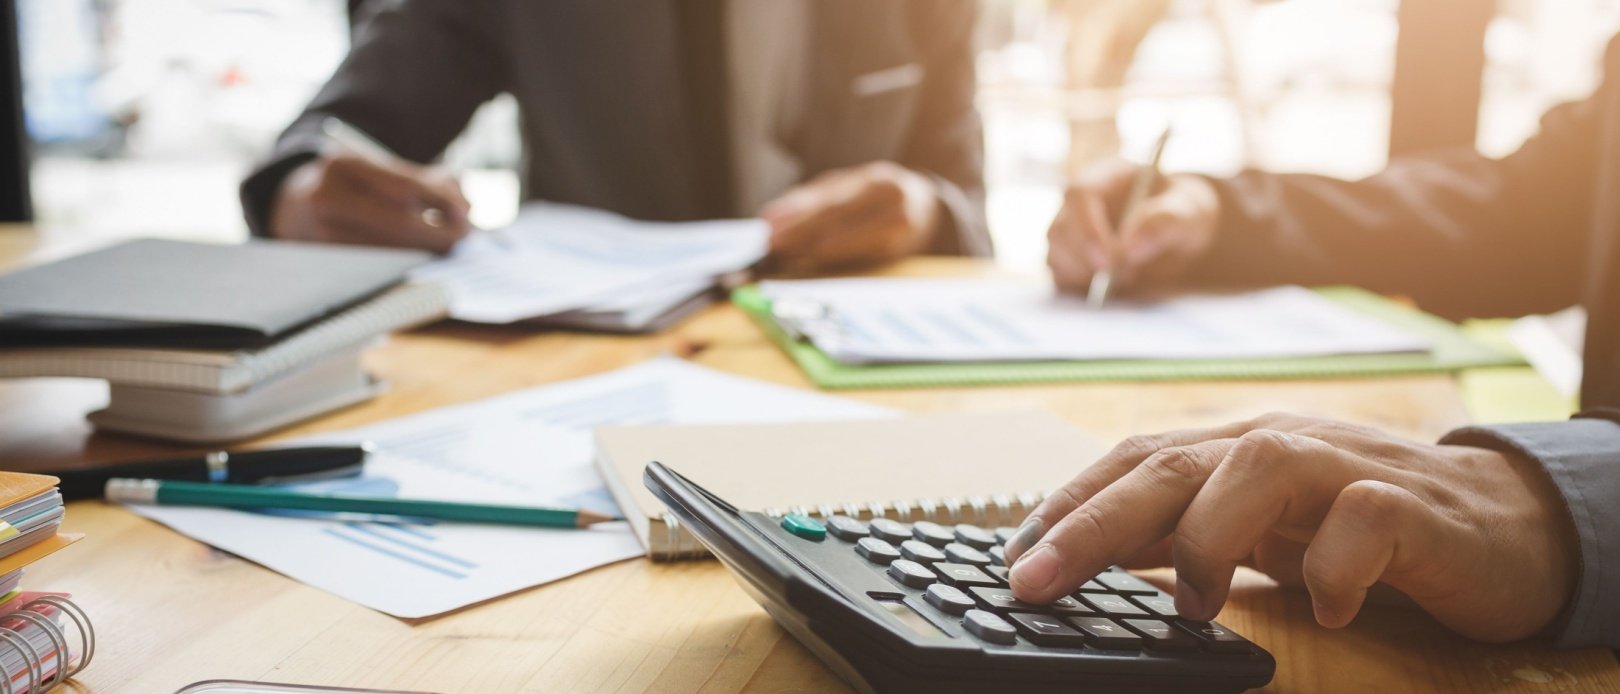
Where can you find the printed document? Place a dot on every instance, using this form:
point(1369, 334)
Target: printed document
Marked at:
point(532, 447)
point(557, 258)
point(870, 321)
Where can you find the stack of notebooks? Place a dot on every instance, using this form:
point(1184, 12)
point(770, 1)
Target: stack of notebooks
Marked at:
point(206, 343)
point(44, 638)
point(986, 469)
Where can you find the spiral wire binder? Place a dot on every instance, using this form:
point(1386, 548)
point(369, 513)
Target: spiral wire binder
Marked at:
point(47, 670)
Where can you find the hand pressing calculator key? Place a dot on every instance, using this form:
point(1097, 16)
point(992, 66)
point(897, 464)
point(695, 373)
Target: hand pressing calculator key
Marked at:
point(894, 606)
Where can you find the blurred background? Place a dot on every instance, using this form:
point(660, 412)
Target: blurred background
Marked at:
point(144, 114)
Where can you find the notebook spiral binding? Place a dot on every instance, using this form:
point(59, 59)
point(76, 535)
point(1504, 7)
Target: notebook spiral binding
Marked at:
point(993, 510)
point(996, 509)
point(57, 664)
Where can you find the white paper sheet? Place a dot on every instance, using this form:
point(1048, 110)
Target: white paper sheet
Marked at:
point(1553, 345)
point(980, 320)
point(530, 447)
point(557, 258)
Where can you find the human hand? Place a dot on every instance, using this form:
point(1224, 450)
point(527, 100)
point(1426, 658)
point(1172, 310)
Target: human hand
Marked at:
point(1479, 539)
point(346, 198)
point(1168, 230)
point(861, 215)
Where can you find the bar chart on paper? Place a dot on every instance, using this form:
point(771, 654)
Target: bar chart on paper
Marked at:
point(532, 447)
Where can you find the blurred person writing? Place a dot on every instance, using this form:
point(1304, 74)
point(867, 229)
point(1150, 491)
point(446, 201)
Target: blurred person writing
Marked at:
point(1501, 533)
point(849, 126)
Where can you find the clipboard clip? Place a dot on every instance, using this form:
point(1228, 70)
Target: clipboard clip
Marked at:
point(804, 319)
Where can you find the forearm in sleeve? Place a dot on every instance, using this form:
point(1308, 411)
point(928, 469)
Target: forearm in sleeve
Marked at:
point(1463, 234)
point(947, 140)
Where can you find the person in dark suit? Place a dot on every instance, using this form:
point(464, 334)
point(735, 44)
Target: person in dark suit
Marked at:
point(1503, 532)
point(848, 124)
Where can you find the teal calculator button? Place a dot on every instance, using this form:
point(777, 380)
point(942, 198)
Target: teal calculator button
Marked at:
point(804, 526)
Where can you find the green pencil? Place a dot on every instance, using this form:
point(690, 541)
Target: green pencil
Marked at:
point(174, 493)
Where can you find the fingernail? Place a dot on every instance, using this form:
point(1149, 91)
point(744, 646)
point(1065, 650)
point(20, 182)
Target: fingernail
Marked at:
point(1036, 571)
point(1189, 603)
point(1028, 534)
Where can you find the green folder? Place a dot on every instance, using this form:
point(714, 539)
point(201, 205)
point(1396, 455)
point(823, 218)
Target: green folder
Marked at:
point(1453, 351)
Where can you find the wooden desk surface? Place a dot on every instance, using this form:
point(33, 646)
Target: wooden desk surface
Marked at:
point(170, 611)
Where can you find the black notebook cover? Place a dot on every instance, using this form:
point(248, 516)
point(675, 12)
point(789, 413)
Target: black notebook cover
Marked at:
point(163, 293)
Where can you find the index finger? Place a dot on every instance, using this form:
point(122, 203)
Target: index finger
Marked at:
point(1105, 471)
point(1130, 515)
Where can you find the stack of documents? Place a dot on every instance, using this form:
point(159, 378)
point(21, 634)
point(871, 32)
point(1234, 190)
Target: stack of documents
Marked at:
point(921, 333)
point(46, 624)
point(568, 266)
point(876, 321)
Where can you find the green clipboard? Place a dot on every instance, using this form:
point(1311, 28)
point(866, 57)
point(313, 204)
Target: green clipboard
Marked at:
point(1453, 351)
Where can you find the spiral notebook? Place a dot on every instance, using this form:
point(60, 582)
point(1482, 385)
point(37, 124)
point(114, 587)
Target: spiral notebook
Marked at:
point(986, 469)
point(44, 640)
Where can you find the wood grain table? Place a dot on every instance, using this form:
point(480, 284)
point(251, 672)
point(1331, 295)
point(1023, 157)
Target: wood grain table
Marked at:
point(171, 611)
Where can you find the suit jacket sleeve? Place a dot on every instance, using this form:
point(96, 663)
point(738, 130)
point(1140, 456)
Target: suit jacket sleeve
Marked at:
point(947, 140)
point(1582, 457)
point(415, 74)
point(1463, 234)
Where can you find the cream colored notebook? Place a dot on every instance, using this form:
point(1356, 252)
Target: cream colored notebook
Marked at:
point(986, 469)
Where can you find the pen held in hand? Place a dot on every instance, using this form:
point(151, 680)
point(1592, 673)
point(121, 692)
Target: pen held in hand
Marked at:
point(172, 493)
point(357, 141)
point(1147, 178)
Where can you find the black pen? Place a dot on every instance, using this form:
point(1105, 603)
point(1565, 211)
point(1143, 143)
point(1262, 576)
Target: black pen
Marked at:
point(246, 467)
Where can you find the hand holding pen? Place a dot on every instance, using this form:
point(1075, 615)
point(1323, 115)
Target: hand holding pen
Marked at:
point(1124, 228)
point(358, 191)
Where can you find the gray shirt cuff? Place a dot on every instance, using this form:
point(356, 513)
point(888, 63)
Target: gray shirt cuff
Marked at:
point(1582, 457)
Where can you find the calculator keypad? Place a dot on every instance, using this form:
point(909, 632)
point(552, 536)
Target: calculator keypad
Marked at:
point(962, 573)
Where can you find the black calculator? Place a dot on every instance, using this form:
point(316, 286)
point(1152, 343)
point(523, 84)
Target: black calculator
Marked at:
point(925, 607)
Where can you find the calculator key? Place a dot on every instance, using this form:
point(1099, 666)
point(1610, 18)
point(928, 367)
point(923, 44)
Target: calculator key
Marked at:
point(804, 526)
point(989, 627)
point(1160, 636)
point(847, 529)
point(1160, 605)
point(876, 551)
point(998, 555)
point(999, 572)
point(964, 575)
point(949, 599)
point(1005, 533)
point(1126, 583)
point(1216, 637)
point(911, 573)
point(919, 551)
point(1115, 605)
point(932, 533)
point(1046, 630)
point(975, 536)
point(1092, 586)
point(959, 553)
point(889, 530)
point(1106, 633)
point(1002, 600)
